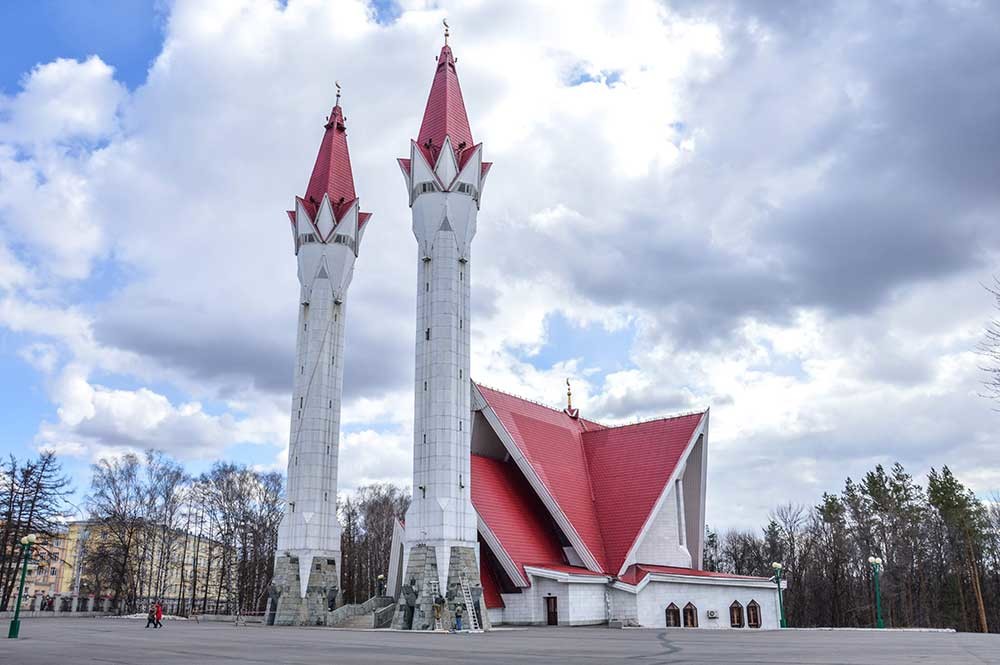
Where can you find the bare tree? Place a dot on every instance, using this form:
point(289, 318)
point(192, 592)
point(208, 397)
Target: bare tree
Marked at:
point(989, 348)
point(32, 500)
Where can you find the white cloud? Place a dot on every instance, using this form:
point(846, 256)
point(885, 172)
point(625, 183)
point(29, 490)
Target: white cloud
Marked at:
point(678, 193)
point(95, 419)
point(63, 99)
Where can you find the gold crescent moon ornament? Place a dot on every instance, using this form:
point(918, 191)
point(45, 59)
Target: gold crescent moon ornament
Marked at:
point(445, 22)
point(337, 83)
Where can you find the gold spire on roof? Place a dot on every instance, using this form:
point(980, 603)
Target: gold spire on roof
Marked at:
point(337, 83)
point(569, 396)
point(445, 21)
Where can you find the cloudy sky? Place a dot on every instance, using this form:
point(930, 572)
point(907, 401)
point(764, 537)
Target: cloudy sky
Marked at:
point(784, 211)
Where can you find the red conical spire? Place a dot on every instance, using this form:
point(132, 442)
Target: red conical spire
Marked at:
point(332, 173)
point(445, 112)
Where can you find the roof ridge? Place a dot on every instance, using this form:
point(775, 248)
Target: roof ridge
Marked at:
point(522, 398)
point(654, 419)
point(683, 414)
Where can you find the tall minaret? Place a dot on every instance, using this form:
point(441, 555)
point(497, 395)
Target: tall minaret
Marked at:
point(326, 229)
point(444, 178)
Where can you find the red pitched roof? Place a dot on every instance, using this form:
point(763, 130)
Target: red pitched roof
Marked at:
point(637, 572)
point(332, 173)
point(552, 442)
point(605, 480)
point(629, 467)
point(505, 501)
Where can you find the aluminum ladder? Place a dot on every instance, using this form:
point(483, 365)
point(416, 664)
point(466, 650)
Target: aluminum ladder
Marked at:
point(470, 607)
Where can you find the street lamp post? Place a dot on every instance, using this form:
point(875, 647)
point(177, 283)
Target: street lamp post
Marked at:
point(781, 604)
point(876, 563)
point(15, 625)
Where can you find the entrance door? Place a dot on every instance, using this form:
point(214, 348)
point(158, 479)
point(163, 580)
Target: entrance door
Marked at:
point(551, 613)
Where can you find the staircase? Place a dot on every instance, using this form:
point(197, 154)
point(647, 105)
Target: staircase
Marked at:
point(470, 608)
point(358, 616)
point(360, 621)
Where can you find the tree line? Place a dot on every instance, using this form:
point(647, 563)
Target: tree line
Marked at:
point(940, 547)
point(198, 543)
point(207, 542)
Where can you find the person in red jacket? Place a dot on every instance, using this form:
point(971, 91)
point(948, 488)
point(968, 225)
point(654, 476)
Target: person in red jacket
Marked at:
point(159, 616)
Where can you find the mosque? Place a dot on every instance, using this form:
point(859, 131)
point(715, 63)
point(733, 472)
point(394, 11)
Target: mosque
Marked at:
point(521, 514)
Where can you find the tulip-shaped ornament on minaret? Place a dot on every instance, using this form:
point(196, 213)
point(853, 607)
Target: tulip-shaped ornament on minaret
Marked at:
point(327, 228)
point(444, 177)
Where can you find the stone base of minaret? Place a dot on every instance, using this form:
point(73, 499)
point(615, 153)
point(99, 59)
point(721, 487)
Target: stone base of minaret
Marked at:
point(423, 605)
point(287, 606)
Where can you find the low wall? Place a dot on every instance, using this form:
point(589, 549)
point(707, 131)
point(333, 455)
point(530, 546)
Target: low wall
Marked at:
point(231, 618)
point(54, 615)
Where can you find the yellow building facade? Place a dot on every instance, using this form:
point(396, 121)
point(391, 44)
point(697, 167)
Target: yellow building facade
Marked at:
point(181, 570)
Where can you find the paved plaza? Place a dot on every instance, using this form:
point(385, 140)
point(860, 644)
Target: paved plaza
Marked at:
point(120, 642)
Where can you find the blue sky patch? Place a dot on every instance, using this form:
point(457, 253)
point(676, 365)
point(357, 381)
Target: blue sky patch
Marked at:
point(597, 347)
point(126, 35)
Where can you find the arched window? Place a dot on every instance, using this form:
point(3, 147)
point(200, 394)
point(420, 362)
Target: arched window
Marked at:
point(673, 616)
point(690, 616)
point(753, 614)
point(736, 615)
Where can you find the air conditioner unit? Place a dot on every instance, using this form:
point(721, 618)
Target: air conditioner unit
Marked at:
point(712, 614)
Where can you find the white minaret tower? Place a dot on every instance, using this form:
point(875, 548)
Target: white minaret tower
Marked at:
point(444, 177)
point(326, 229)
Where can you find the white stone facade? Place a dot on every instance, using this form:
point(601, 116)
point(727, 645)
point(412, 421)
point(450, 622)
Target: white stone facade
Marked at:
point(582, 601)
point(309, 528)
point(663, 543)
point(444, 204)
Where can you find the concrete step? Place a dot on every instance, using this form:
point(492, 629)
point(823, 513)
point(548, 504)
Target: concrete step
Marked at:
point(362, 621)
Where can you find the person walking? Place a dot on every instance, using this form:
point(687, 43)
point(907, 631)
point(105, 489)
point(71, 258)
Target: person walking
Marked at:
point(159, 616)
point(151, 617)
point(458, 618)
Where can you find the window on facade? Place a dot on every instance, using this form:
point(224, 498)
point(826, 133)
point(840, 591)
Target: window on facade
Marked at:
point(673, 616)
point(425, 187)
point(753, 614)
point(690, 616)
point(342, 239)
point(736, 615)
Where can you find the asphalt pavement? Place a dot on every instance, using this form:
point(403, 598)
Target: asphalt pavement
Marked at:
point(126, 642)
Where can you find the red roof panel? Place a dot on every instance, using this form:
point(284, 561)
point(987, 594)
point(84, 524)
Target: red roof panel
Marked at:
point(629, 467)
point(605, 480)
point(505, 501)
point(552, 442)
